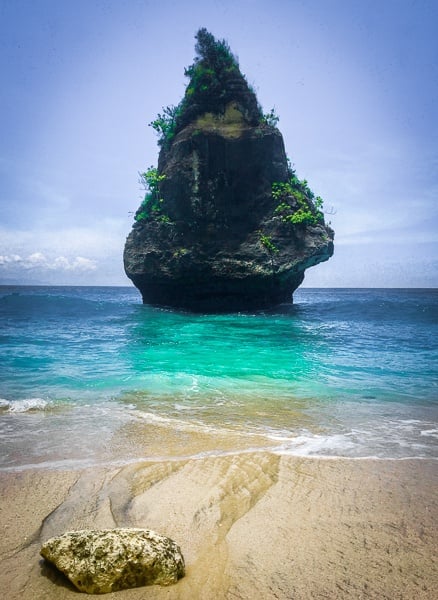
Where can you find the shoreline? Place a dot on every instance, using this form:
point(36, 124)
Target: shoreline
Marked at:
point(130, 436)
point(251, 524)
point(75, 466)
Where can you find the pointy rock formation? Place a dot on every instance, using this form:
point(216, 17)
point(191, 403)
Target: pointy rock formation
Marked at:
point(225, 224)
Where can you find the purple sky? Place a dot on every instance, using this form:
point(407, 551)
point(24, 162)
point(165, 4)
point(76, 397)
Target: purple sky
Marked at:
point(354, 83)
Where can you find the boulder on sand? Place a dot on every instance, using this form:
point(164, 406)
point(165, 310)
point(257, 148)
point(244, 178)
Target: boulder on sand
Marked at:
point(107, 560)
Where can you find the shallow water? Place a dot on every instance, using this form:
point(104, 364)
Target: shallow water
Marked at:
point(91, 374)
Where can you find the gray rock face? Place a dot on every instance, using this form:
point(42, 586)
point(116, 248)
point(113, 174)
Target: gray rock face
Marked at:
point(229, 225)
point(220, 241)
point(102, 561)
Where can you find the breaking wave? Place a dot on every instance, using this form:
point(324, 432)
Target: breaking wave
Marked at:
point(23, 406)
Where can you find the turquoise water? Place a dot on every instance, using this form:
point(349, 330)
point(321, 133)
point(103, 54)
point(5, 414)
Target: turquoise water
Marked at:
point(338, 373)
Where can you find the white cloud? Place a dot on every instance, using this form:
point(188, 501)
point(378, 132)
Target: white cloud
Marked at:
point(95, 239)
point(78, 263)
point(7, 260)
point(83, 264)
point(39, 261)
point(88, 255)
point(61, 263)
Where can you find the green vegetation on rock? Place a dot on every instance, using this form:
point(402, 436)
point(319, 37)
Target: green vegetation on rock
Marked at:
point(266, 242)
point(296, 202)
point(165, 123)
point(214, 81)
point(152, 202)
point(271, 118)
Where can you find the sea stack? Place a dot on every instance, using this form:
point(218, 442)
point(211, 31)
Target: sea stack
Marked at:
point(225, 224)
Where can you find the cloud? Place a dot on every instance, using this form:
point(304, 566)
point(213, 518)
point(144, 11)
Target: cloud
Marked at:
point(95, 238)
point(82, 264)
point(88, 255)
point(39, 261)
point(9, 260)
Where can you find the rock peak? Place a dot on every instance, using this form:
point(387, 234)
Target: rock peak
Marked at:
point(215, 80)
point(225, 224)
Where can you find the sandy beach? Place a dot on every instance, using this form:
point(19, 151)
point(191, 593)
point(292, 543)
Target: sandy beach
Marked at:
point(252, 525)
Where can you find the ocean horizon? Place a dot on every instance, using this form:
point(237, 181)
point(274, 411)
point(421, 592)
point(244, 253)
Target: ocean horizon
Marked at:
point(340, 372)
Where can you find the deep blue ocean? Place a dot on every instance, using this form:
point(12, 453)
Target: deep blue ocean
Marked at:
point(91, 375)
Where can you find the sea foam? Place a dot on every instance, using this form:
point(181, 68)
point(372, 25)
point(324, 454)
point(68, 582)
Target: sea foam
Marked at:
point(22, 406)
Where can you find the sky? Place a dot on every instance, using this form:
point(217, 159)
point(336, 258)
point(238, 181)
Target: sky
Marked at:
point(354, 82)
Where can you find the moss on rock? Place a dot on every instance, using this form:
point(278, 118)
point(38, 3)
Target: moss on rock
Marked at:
point(102, 561)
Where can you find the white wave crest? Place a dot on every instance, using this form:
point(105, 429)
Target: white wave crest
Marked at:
point(316, 445)
point(430, 433)
point(25, 405)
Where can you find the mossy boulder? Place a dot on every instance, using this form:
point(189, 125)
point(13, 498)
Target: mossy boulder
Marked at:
point(102, 561)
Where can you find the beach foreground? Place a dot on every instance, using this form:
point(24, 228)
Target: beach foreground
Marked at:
point(251, 525)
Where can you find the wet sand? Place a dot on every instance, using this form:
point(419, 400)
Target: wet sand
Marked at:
point(252, 525)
